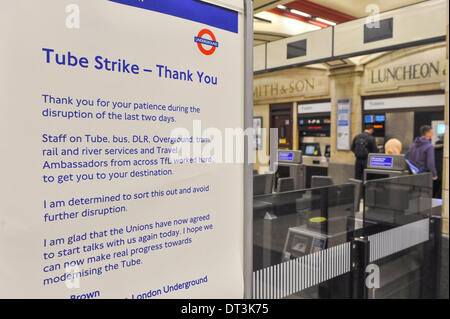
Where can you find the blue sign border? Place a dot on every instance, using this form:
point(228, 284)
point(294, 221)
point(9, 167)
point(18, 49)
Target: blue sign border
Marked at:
point(381, 161)
point(286, 156)
point(192, 10)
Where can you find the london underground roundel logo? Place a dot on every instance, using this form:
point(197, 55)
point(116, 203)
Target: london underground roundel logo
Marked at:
point(205, 45)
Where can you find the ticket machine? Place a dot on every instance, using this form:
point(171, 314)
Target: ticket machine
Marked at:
point(316, 157)
point(290, 165)
point(314, 141)
point(439, 129)
point(379, 126)
point(317, 234)
point(385, 166)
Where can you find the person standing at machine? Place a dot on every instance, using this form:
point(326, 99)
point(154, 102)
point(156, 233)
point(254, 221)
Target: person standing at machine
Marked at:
point(421, 154)
point(363, 144)
point(393, 147)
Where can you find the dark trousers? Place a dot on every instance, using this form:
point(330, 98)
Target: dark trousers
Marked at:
point(437, 188)
point(360, 166)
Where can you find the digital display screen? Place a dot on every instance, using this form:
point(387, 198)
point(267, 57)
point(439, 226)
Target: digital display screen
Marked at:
point(310, 149)
point(297, 49)
point(368, 119)
point(286, 156)
point(441, 128)
point(380, 118)
point(382, 161)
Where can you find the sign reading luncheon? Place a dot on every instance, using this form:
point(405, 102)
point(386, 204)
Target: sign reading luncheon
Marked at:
point(122, 66)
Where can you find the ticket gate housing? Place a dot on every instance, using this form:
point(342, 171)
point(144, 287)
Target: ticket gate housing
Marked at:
point(316, 157)
point(385, 166)
point(290, 165)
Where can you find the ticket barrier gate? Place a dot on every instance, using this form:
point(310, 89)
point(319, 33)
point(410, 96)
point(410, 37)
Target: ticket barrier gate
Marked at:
point(401, 209)
point(290, 165)
point(385, 166)
point(316, 157)
point(310, 238)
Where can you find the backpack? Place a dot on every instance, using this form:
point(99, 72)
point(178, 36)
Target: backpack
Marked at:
point(361, 147)
point(413, 168)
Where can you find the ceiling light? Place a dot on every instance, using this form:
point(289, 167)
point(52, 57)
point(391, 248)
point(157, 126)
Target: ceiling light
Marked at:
point(303, 14)
point(325, 21)
point(281, 7)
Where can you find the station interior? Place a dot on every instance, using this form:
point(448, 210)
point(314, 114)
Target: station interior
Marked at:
point(339, 108)
point(307, 199)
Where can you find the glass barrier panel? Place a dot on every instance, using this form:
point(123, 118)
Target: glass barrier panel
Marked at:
point(403, 237)
point(397, 201)
point(302, 243)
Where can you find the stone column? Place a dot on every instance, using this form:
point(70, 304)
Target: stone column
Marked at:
point(445, 172)
point(345, 83)
point(263, 110)
point(295, 126)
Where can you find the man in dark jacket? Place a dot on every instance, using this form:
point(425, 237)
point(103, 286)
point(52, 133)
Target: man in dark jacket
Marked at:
point(421, 154)
point(363, 144)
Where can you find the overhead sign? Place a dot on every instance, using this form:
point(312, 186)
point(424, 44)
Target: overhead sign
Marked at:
point(95, 200)
point(302, 82)
point(398, 27)
point(414, 67)
point(405, 102)
point(314, 108)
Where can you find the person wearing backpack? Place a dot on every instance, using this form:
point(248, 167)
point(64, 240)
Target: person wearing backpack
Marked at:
point(363, 144)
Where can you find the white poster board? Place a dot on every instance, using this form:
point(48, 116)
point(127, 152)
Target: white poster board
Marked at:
point(257, 133)
point(344, 125)
point(92, 205)
point(324, 107)
point(405, 102)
